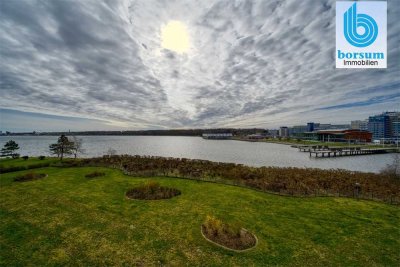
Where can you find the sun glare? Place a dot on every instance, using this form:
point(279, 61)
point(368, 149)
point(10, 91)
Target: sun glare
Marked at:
point(174, 36)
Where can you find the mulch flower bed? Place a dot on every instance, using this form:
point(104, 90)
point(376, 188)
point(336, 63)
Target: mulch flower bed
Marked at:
point(29, 177)
point(152, 191)
point(94, 174)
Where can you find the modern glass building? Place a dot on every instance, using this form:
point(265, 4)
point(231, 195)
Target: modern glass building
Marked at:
point(385, 125)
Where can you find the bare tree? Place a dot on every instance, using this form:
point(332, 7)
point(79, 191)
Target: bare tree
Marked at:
point(77, 146)
point(393, 169)
point(111, 152)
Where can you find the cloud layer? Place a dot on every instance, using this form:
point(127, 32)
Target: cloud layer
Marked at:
point(251, 63)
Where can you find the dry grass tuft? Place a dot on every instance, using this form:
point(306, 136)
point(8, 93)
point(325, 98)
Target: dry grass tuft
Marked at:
point(228, 235)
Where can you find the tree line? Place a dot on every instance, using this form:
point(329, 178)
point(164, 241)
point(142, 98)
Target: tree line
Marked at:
point(169, 132)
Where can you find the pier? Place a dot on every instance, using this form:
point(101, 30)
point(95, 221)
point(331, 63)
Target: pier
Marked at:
point(328, 152)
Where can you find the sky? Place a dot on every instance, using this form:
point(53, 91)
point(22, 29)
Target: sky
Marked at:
point(131, 65)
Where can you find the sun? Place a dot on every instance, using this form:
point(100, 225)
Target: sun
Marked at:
point(175, 37)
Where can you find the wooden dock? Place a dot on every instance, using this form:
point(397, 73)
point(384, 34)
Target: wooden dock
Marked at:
point(328, 152)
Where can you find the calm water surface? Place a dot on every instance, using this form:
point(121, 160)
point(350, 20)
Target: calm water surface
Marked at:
point(254, 154)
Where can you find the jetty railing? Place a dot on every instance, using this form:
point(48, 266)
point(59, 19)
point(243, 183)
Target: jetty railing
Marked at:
point(327, 152)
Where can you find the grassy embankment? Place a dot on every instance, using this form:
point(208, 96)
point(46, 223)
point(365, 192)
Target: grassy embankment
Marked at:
point(66, 218)
point(305, 182)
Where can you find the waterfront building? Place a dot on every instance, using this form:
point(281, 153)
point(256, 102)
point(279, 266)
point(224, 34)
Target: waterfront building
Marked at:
point(328, 126)
point(310, 127)
point(300, 129)
point(273, 133)
point(322, 126)
point(217, 135)
point(394, 118)
point(384, 126)
point(359, 125)
point(353, 135)
point(284, 131)
point(396, 129)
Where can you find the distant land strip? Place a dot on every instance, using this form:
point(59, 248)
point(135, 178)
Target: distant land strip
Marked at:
point(170, 132)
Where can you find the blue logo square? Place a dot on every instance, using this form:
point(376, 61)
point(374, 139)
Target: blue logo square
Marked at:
point(361, 34)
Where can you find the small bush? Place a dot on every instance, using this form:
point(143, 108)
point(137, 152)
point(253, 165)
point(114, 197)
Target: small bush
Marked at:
point(67, 164)
point(25, 157)
point(229, 235)
point(94, 174)
point(12, 169)
point(29, 177)
point(38, 165)
point(217, 227)
point(393, 169)
point(42, 157)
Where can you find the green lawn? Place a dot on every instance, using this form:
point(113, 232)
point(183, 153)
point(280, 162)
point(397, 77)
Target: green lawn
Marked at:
point(67, 219)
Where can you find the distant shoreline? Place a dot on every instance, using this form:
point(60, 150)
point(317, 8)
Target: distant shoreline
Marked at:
point(169, 132)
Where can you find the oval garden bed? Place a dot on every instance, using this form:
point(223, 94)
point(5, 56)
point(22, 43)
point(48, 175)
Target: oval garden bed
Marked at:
point(94, 174)
point(152, 191)
point(30, 176)
point(232, 237)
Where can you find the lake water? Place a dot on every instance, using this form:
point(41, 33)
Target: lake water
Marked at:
point(249, 153)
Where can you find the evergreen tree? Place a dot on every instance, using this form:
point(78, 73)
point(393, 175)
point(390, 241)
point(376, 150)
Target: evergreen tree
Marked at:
point(9, 149)
point(62, 147)
point(55, 149)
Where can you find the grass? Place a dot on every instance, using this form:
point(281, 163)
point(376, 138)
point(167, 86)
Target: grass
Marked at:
point(67, 219)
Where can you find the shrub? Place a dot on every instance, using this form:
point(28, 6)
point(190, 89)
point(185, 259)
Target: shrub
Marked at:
point(215, 226)
point(67, 164)
point(42, 157)
point(29, 177)
point(94, 174)
point(229, 235)
point(38, 165)
point(393, 170)
point(12, 169)
point(151, 186)
point(25, 157)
